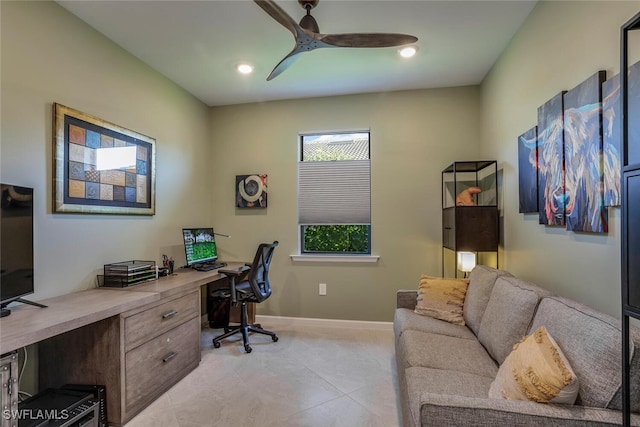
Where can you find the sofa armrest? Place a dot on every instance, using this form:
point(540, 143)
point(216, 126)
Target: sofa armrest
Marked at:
point(447, 410)
point(406, 299)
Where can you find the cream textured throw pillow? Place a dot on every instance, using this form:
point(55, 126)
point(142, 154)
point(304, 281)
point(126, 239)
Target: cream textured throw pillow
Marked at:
point(536, 370)
point(442, 298)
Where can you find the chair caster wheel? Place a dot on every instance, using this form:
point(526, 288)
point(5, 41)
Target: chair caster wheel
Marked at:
point(216, 344)
point(247, 348)
point(274, 338)
point(226, 330)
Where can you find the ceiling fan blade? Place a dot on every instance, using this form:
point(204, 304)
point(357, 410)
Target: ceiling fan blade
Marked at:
point(367, 39)
point(284, 64)
point(277, 13)
point(306, 41)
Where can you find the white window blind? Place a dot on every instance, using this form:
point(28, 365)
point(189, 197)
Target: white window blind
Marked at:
point(334, 192)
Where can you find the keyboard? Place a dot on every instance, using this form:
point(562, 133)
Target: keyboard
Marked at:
point(209, 267)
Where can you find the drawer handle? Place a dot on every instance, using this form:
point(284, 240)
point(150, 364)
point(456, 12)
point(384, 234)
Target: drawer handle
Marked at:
point(169, 314)
point(169, 356)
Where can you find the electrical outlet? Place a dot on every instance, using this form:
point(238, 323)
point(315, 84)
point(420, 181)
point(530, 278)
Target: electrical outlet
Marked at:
point(322, 289)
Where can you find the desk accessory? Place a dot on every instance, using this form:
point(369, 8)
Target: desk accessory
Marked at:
point(127, 273)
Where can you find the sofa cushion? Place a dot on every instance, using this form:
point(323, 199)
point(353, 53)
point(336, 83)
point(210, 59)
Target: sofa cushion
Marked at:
point(592, 343)
point(406, 319)
point(427, 380)
point(443, 352)
point(508, 315)
point(536, 370)
point(481, 283)
point(442, 298)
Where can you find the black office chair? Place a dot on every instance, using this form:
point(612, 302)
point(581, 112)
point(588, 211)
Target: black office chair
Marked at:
point(253, 286)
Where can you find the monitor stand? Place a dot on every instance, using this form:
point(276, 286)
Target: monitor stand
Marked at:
point(4, 311)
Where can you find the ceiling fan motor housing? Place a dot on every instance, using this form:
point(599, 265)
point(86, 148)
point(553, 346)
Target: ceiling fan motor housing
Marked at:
point(308, 4)
point(308, 22)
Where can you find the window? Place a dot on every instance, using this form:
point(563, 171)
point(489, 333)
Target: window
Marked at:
point(334, 193)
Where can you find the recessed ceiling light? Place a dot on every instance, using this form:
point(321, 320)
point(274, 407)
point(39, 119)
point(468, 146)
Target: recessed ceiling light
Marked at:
point(244, 68)
point(408, 52)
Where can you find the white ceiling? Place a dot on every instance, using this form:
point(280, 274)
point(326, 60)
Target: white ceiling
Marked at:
point(197, 44)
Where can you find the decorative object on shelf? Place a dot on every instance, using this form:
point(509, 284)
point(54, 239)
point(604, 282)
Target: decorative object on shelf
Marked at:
point(470, 226)
point(630, 210)
point(465, 197)
point(584, 207)
point(551, 196)
point(100, 167)
point(251, 191)
point(528, 170)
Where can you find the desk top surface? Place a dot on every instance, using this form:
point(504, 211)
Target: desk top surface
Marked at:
point(28, 324)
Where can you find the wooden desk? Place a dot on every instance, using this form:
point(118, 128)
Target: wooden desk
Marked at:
point(28, 324)
point(137, 341)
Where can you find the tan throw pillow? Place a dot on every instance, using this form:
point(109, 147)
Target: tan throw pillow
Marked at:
point(442, 298)
point(536, 370)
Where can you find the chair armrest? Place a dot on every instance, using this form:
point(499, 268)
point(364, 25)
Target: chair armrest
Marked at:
point(443, 410)
point(406, 299)
point(233, 274)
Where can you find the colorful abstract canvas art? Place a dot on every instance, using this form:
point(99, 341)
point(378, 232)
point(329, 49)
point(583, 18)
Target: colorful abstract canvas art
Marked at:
point(611, 140)
point(551, 197)
point(251, 191)
point(633, 83)
point(612, 131)
point(584, 207)
point(528, 170)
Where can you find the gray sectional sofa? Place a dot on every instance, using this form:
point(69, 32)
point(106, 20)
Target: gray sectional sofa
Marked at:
point(445, 370)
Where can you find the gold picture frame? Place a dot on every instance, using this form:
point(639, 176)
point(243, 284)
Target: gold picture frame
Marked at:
point(100, 167)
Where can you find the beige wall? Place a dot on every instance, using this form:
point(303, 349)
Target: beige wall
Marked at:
point(414, 135)
point(559, 46)
point(48, 56)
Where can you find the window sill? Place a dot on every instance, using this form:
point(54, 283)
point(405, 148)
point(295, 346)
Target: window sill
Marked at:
point(334, 258)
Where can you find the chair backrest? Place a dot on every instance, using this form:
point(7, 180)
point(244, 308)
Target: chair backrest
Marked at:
point(258, 276)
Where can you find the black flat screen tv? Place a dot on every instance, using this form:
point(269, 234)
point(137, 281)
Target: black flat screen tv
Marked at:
point(16, 244)
point(199, 246)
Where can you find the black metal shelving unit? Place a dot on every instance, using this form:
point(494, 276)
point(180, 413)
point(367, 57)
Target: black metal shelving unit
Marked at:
point(470, 228)
point(630, 213)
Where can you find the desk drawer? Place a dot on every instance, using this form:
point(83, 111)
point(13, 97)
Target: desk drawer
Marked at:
point(147, 324)
point(156, 365)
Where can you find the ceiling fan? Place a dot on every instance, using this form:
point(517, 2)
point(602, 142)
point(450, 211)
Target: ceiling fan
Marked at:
point(308, 37)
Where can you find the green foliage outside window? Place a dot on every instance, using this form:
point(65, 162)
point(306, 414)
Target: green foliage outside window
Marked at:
point(337, 238)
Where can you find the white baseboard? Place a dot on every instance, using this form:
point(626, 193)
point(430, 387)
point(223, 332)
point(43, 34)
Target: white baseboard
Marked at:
point(325, 323)
point(313, 322)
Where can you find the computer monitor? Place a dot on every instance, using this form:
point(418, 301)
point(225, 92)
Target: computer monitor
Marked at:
point(16, 244)
point(199, 245)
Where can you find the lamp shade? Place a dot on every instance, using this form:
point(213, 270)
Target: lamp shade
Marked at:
point(466, 261)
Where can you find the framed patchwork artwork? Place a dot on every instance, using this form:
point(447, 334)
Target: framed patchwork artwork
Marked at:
point(101, 168)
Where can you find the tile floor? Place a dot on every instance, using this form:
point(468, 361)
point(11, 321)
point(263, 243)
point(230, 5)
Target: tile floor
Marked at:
point(313, 377)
